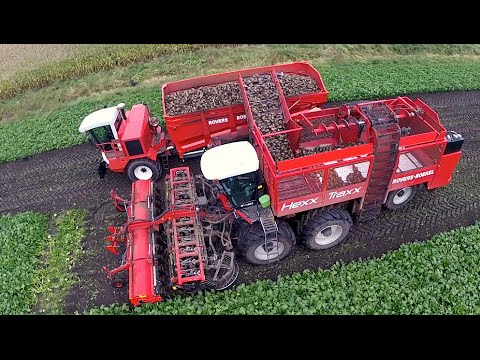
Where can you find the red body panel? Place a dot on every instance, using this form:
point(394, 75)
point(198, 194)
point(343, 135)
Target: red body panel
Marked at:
point(414, 177)
point(320, 199)
point(135, 127)
point(445, 170)
point(420, 157)
point(141, 273)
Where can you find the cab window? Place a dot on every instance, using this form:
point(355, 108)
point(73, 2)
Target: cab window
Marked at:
point(102, 134)
point(241, 188)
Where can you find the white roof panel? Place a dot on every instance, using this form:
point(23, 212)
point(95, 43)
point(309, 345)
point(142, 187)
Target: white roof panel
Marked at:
point(229, 160)
point(98, 118)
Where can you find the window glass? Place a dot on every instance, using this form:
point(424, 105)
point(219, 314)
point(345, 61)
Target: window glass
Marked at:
point(347, 175)
point(102, 134)
point(241, 188)
point(417, 159)
point(118, 121)
point(300, 185)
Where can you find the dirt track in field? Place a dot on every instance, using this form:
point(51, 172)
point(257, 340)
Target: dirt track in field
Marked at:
point(64, 179)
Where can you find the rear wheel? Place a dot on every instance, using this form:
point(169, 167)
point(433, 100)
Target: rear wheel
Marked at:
point(143, 169)
point(398, 198)
point(251, 243)
point(326, 229)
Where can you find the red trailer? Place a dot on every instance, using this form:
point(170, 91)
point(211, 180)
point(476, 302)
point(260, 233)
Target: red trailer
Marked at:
point(195, 131)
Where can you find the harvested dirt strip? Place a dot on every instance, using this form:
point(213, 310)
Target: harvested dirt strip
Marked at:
point(57, 180)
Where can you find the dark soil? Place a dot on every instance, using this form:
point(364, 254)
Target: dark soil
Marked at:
point(64, 179)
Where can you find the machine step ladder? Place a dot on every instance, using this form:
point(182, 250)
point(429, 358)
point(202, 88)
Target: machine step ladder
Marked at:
point(387, 130)
point(270, 229)
point(164, 162)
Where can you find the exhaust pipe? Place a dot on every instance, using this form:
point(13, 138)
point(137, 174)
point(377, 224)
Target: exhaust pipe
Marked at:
point(121, 108)
point(193, 154)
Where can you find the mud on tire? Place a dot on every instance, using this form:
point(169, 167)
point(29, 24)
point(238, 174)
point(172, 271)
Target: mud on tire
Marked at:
point(326, 229)
point(251, 243)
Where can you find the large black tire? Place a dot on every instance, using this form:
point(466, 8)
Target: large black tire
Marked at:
point(326, 229)
point(396, 199)
point(251, 243)
point(144, 169)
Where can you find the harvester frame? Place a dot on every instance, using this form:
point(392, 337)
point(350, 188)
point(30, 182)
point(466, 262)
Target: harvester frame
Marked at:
point(347, 163)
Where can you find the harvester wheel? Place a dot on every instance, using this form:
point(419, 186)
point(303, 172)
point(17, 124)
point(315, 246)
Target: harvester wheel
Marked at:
point(119, 280)
point(251, 243)
point(326, 229)
point(398, 198)
point(143, 169)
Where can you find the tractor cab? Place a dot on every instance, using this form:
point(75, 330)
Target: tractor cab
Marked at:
point(235, 167)
point(129, 141)
point(103, 127)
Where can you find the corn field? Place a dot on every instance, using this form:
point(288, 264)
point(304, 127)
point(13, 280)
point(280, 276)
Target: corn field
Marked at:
point(103, 58)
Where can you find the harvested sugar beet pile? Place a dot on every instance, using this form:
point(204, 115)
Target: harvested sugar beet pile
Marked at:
point(267, 114)
point(203, 98)
point(262, 96)
point(229, 93)
point(295, 84)
point(335, 181)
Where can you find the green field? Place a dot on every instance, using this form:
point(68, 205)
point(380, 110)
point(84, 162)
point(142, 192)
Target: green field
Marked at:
point(361, 79)
point(439, 276)
point(22, 238)
point(36, 254)
point(200, 61)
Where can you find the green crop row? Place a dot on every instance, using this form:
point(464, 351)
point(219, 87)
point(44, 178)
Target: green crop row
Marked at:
point(34, 265)
point(377, 78)
point(63, 251)
point(22, 239)
point(439, 276)
point(345, 81)
point(102, 59)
